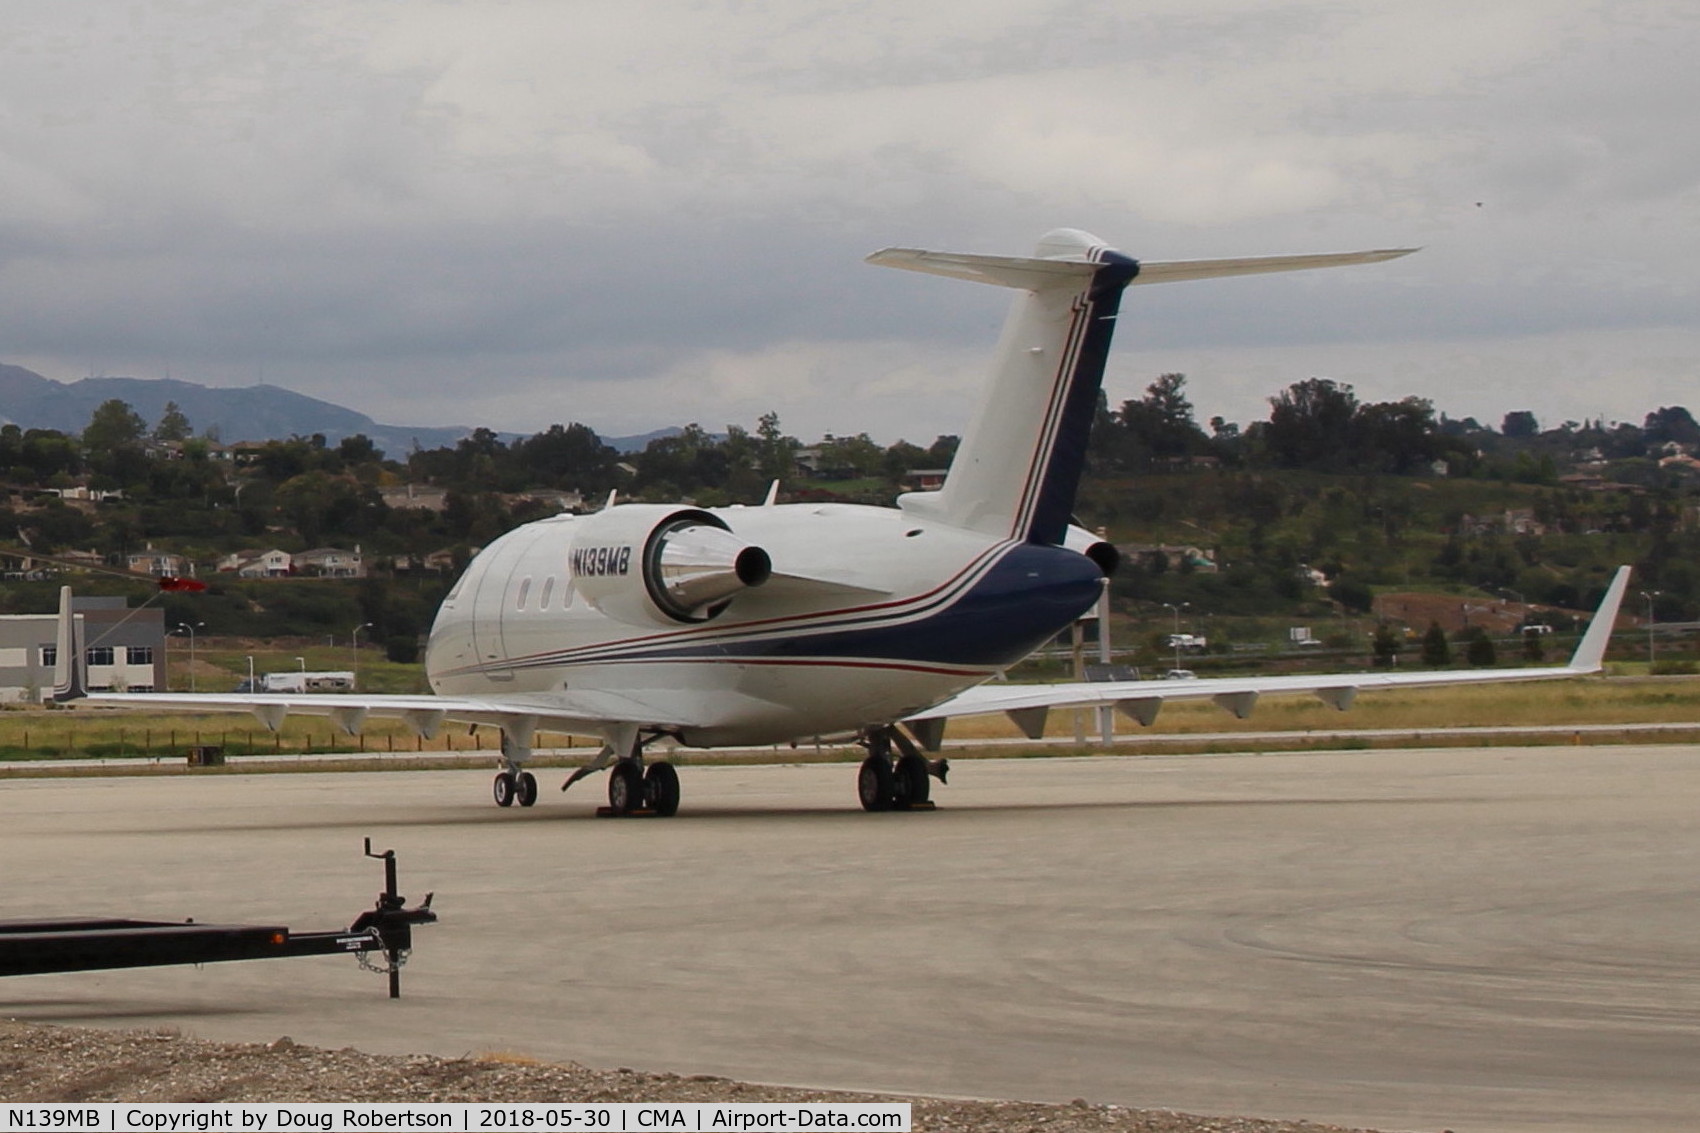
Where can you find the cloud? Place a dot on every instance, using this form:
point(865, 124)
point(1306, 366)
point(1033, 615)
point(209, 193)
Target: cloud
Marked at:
point(493, 201)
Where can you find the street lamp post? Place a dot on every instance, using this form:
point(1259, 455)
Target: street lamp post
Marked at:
point(1106, 714)
point(355, 638)
point(251, 687)
point(1649, 595)
point(1176, 636)
point(190, 630)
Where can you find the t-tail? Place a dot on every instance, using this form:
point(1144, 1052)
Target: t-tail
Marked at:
point(1019, 464)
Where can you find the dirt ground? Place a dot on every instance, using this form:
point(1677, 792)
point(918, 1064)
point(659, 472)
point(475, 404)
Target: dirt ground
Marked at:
point(64, 1064)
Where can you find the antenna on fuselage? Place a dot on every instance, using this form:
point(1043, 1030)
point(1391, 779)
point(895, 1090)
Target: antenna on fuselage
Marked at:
point(613, 493)
point(772, 494)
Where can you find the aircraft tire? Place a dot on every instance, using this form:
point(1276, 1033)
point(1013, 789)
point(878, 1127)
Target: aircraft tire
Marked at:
point(661, 786)
point(912, 786)
point(876, 784)
point(503, 789)
point(625, 787)
point(525, 789)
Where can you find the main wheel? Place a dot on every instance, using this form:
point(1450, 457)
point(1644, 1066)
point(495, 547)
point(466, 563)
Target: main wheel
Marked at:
point(525, 791)
point(625, 787)
point(503, 789)
point(876, 785)
point(913, 789)
point(661, 787)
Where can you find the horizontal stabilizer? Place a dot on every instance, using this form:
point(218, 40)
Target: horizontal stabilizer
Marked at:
point(1178, 271)
point(1001, 271)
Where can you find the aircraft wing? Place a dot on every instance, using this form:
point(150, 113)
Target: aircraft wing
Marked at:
point(595, 714)
point(1027, 705)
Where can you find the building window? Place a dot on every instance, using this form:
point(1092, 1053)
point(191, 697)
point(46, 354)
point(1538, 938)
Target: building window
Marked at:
point(99, 655)
point(50, 655)
point(139, 654)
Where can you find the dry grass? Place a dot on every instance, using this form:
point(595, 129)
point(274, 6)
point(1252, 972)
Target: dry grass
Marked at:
point(1585, 701)
point(35, 734)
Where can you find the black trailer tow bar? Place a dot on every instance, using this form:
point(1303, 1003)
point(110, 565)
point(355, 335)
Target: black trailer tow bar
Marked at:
point(36, 947)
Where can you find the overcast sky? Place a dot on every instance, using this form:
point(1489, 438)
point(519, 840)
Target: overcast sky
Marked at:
point(645, 214)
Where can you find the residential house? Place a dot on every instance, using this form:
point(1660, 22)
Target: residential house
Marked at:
point(415, 496)
point(258, 564)
point(924, 479)
point(330, 562)
point(160, 564)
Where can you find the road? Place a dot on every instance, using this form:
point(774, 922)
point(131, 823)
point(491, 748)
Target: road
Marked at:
point(1465, 939)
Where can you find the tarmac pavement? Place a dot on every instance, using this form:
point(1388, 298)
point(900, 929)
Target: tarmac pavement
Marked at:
point(1465, 939)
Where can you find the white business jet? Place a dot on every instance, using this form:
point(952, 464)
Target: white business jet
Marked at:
point(713, 627)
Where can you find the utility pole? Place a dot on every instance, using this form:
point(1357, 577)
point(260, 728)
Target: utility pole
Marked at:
point(355, 638)
point(190, 630)
point(1176, 636)
point(1649, 595)
point(1106, 714)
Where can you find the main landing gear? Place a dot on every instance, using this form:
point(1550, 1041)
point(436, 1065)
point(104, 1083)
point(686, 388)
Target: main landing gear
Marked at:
point(634, 790)
point(514, 784)
point(896, 782)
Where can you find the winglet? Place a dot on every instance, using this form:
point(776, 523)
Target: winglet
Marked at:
point(1591, 651)
point(67, 657)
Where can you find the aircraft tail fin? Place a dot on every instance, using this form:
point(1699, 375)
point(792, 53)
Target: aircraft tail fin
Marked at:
point(67, 654)
point(1017, 470)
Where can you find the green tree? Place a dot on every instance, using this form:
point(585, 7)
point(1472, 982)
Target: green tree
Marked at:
point(1353, 594)
point(114, 424)
point(1386, 645)
point(113, 442)
point(1480, 651)
point(1534, 649)
point(1309, 424)
point(173, 425)
point(1437, 651)
point(776, 453)
point(1520, 423)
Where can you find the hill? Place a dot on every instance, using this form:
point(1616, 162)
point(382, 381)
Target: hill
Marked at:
point(249, 413)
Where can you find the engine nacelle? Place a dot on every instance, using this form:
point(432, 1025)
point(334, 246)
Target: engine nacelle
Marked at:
point(658, 563)
point(1084, 542)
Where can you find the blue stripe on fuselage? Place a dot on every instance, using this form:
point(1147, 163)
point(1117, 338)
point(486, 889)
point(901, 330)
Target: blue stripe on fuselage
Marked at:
point(1033, 593)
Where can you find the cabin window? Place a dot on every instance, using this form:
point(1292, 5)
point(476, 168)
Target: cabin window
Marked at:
point(524, 592)
point(548, 592)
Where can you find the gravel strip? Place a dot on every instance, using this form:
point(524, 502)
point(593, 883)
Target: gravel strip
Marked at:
point(71, 1064)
